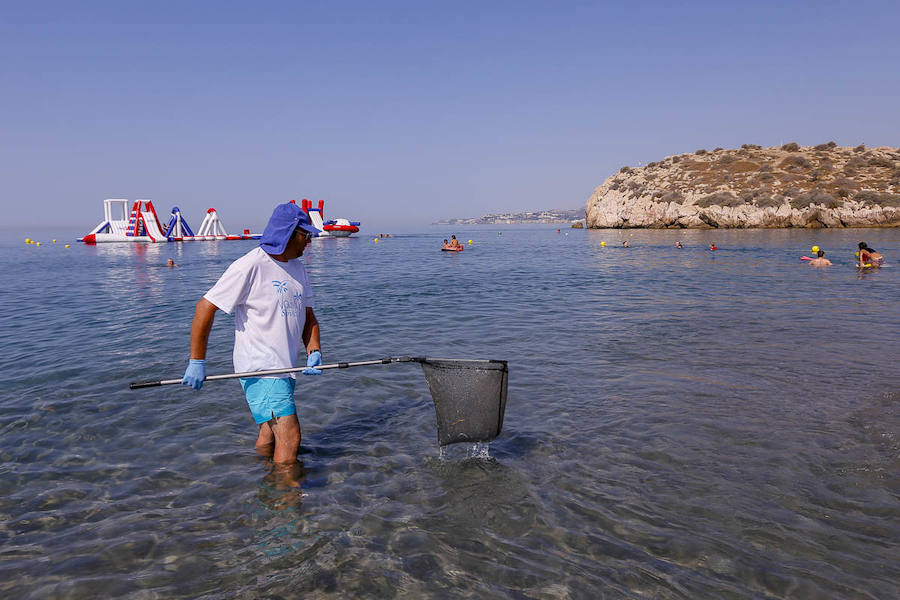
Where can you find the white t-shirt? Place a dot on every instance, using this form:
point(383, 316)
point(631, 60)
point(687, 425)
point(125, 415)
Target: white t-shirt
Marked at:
point(269, 299)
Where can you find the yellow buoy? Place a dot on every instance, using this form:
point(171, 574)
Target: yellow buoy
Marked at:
point(68, 246)
point(54, 241)
point(815, 248)
point(38, 243)
point(470, 242)
point(603, 244)
point(857, 254)
point(376, 240)
point(27, 240)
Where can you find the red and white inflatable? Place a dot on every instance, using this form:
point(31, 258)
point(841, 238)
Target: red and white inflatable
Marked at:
point(142, 224)
point(211, 228)
point(340, 228)
point(333, 228)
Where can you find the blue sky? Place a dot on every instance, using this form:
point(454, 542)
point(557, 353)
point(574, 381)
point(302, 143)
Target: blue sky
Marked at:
point(402, 113)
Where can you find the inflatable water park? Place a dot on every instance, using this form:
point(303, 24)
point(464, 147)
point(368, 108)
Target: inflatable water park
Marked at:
point(333, 228)
point(142, 224)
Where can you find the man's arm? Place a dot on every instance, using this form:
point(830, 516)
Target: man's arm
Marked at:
point(203, 320)
point(310, 332)
point(200, 328)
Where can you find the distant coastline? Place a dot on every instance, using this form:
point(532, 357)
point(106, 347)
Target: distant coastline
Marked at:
point(545, 216)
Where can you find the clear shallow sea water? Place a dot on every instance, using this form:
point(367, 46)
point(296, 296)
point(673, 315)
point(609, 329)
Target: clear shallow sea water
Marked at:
point(680, 423)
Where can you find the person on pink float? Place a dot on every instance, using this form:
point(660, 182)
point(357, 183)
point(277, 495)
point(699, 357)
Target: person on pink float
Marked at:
point(268, 291)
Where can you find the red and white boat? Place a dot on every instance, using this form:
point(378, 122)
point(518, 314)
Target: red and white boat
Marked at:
point(333, 228)
point(341, 227)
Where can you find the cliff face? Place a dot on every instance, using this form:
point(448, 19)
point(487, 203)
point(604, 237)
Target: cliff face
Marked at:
point(790, 186)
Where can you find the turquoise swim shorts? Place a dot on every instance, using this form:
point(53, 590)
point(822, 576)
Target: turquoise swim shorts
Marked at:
point(269, 397)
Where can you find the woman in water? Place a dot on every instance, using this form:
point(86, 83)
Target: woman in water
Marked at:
point(869, 256)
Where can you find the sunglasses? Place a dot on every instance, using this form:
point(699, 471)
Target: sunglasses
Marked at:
point(308, 236)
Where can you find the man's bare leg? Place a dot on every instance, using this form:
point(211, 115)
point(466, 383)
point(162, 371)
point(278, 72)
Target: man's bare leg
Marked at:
point(265, 442)
point(287, 438)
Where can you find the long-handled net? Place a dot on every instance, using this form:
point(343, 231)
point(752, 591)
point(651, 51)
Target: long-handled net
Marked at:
point(469, 395)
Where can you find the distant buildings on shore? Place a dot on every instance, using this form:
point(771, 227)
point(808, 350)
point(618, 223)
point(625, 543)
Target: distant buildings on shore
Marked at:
point(543, 216)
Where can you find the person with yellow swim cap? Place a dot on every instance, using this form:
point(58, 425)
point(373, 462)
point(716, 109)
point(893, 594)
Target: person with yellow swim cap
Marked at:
point(820, 260)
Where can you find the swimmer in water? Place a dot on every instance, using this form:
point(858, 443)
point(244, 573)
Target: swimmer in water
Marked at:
point(820, 260)
point(678, 245)
point(171, 263)
point(713, 246)
point(625, 244)
point(869, 256)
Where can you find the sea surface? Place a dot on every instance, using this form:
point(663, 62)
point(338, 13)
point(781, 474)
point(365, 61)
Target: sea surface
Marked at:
point(680, 423)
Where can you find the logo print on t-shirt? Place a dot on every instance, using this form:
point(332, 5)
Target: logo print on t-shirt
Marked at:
point(290, 304)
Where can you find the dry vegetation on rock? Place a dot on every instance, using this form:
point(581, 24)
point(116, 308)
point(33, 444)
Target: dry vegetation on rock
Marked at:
point(787, 186)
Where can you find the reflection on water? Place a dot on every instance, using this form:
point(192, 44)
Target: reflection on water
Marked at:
point(680, 423)
point(281, 488)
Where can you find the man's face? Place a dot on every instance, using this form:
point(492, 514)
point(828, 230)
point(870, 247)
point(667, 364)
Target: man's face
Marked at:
point(298, 243)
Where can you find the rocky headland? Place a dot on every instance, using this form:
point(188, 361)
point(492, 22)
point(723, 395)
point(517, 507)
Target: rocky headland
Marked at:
point(787, 186)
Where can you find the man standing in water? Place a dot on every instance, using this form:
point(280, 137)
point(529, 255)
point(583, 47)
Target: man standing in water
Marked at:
point(269, 292)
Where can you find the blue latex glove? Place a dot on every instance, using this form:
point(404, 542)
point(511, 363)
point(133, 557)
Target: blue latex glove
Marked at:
point(313, 360)
point(195, 373)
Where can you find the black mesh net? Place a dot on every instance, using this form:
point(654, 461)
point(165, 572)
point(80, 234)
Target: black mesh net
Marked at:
point(469, 398)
